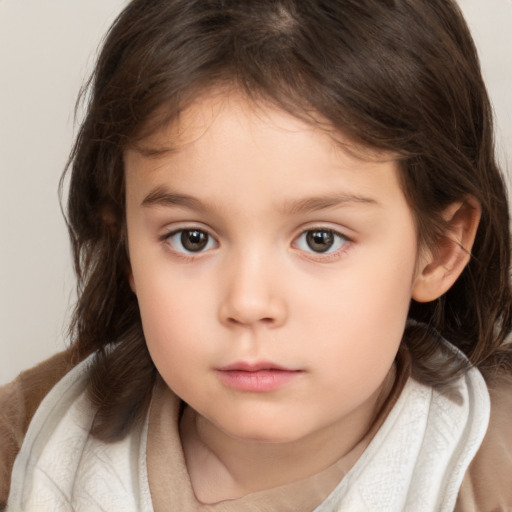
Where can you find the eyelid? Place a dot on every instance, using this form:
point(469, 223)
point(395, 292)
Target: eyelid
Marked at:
point(174, 227)
point(343, 231)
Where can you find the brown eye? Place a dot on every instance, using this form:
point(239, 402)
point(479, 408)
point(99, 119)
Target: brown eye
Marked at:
point(194, 240)
point(190, 241)
point(320, 240)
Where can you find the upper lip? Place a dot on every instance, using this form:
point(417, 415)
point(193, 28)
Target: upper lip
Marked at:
point(245, 366)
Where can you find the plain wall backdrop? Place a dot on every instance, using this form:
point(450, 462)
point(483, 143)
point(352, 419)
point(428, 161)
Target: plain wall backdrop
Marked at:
point(47, 49)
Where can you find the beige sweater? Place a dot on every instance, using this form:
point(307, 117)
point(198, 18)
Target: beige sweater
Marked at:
point(486, 486)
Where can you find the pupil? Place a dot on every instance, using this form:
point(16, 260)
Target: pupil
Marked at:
point(320, 241)
point(194, 240)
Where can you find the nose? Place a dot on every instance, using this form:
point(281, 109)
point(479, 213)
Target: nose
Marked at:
point(252, 294)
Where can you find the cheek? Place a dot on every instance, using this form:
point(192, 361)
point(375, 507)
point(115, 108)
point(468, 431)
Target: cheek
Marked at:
point(167, 312)
point(358, 348)
point(170, 337)
point(360, 315)
point(366, 297)
point(175, 318)
point(176, 302)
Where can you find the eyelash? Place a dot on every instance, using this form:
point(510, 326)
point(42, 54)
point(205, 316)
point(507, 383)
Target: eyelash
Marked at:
point(339, 240)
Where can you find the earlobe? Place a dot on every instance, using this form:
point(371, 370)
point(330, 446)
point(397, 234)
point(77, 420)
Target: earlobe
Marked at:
point(441, 265)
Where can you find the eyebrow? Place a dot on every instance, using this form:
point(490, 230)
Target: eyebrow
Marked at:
point(313, 204)
point(161, 196)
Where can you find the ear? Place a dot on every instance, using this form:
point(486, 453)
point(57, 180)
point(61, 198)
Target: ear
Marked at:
point(441, 265)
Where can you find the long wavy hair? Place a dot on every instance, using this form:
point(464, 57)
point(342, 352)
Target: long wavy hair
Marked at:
point(394, 75)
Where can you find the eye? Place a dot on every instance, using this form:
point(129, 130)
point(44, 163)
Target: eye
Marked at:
point(190, 241)
point(322, 241)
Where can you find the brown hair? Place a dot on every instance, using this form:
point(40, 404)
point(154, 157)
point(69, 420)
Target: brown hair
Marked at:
point(397, 75)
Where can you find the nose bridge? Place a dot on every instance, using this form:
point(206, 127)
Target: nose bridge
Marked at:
point(251, 290)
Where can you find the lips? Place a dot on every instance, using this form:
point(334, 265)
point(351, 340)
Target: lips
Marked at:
point(253, 367)
point(259, 377)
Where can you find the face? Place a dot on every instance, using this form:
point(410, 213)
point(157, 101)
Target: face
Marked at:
point(273, 269)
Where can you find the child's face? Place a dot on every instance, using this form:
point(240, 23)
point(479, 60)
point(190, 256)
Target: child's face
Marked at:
point(273, 270)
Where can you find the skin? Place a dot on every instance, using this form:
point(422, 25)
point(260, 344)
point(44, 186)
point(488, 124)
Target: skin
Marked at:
point(253, 180)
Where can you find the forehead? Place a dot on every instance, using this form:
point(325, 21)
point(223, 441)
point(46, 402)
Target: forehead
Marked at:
point(167, 133)
point(230, 143)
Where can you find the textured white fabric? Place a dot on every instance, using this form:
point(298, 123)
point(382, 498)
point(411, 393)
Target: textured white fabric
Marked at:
point(418, 458)
point(416, 461)
point(62, 468)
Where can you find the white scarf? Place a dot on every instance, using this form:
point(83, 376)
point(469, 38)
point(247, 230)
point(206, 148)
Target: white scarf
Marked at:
point(418, 458)
point(415, 462)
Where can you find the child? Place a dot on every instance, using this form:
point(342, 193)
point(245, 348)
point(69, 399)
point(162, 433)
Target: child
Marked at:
point(280, 211)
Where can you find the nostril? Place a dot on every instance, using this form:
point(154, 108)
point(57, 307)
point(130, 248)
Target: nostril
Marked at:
point(240, 321)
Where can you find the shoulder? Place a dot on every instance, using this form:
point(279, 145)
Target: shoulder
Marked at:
point(18, 402)
point(58, 425)
point(62, 467)
point(486, 485)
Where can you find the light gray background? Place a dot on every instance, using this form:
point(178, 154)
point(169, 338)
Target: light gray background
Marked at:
point(47, 48)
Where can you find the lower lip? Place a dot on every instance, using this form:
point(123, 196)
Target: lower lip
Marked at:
point(260, 381)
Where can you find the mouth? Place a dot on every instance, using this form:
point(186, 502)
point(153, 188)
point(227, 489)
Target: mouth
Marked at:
point(243, 366)
point(257, 377)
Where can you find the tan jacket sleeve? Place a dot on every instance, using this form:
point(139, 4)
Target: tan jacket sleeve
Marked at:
point(487, 485)
point(19, 401)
